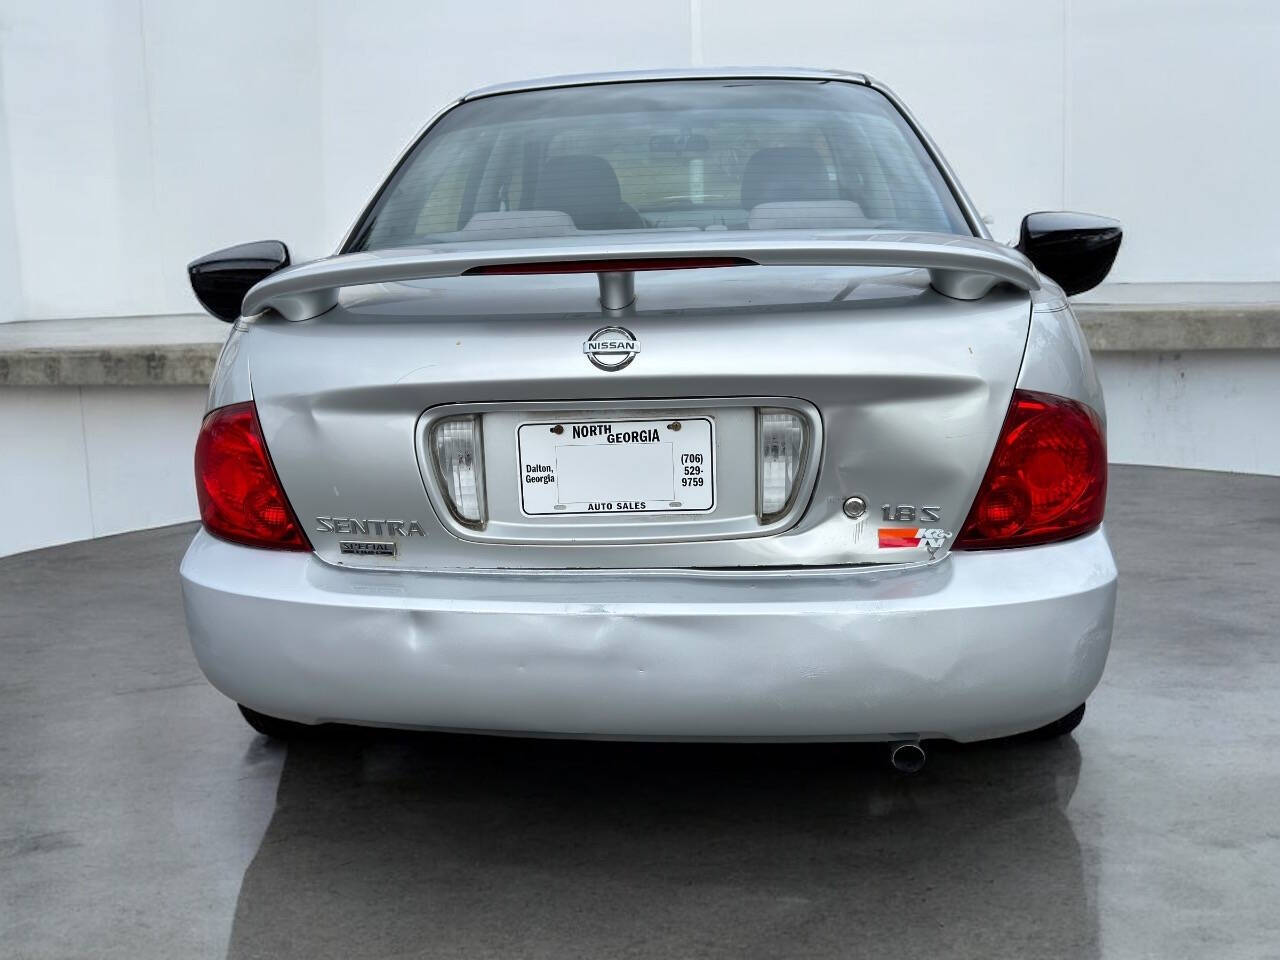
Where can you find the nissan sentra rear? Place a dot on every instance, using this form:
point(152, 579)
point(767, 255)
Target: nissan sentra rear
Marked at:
point(695, 405)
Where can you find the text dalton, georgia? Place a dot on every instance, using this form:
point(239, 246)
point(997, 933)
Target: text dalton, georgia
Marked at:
point(539, 473)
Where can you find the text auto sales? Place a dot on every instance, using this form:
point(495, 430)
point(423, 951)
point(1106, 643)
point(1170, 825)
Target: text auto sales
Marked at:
point(543, 473)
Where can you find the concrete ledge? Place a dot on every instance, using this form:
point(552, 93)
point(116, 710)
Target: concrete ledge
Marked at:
point(1111, 327)
point(1176, 317)
point(171, 350)
point(180, 349)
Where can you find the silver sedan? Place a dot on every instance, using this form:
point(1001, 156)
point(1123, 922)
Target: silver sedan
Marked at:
point(684, 405)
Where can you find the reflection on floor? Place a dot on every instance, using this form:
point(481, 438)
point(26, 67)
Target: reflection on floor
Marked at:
point(548, 849)
point(140, 818)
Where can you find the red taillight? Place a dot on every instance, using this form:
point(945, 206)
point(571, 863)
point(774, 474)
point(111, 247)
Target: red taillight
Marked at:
point(1047, 479)
point(240, 496)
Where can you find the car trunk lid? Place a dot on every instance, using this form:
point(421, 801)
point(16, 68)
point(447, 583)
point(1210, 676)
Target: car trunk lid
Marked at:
point(902, 391)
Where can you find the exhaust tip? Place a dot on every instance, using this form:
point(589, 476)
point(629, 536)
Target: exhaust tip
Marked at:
point(907, 756)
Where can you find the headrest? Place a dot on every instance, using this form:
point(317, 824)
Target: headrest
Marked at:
point(785, 173)
point(583, 186)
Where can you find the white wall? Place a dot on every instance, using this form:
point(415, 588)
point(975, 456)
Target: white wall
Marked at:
point(137, 134)
point(1206, 410)
point(92, 461)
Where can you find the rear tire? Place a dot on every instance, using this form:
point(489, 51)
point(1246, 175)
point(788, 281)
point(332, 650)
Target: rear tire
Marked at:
point(1059, 728)
point(274, 727)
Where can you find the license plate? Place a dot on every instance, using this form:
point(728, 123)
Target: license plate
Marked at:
point(617, 466)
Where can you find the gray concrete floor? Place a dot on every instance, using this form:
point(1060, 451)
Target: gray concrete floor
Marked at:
point(140, 818)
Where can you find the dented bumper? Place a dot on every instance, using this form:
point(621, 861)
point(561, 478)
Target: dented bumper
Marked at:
point(978, 645)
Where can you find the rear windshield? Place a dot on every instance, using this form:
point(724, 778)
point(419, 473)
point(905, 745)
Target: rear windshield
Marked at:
point(660, 156)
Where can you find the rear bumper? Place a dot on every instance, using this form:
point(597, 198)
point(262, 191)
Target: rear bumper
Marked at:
point(978, 645)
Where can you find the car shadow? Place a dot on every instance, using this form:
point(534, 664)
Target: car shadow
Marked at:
point(391, 844)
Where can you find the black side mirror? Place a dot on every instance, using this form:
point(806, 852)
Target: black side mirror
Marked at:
point(222, 278)
point(1074, 249)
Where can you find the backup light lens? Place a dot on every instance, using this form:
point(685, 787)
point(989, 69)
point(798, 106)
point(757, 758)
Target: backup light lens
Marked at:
point(240, 496)
point(459, 458)
point(783, 437)
point(1047, 480)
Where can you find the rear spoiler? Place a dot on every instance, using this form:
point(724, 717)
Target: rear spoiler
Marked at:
point(964, 268)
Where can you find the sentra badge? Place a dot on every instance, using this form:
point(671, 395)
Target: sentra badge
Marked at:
point(365, 527)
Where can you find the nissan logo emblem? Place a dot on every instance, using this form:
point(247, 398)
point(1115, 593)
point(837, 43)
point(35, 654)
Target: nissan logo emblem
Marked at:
point(611, 348)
